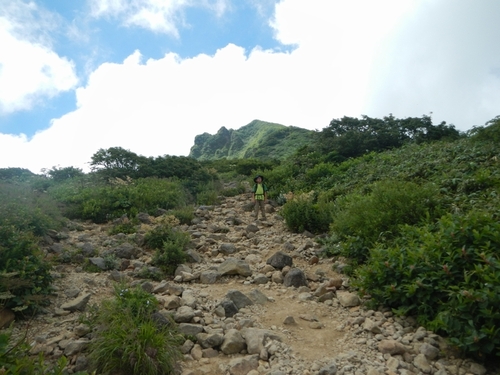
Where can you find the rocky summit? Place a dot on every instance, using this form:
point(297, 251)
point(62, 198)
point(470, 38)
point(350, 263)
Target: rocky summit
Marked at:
point(253, 298)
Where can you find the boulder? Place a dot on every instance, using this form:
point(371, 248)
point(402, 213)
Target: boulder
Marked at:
point(295, 277)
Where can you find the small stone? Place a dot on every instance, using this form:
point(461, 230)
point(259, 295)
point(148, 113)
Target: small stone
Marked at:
point(289, 320)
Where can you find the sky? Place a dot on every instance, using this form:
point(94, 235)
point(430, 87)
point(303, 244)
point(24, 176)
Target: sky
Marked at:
point(150, 75)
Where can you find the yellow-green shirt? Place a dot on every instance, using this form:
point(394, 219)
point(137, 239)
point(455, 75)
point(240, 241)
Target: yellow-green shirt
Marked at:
point(259, 192)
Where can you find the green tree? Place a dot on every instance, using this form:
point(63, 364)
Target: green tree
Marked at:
point(117, 162)
point(61, 174)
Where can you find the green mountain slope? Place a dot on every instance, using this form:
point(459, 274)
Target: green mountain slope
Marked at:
point(258, 139)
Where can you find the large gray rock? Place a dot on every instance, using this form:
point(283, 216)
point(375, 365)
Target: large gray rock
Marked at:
point(233, 342)
point(255, 338)
point(257, 297)
point(209, 277)
point(126, 250)
point(295, 277)
point(243, 365)
point(430, 352)
point(391, 347)
point(209, 340)
point(229, 307)
point(233, 266)
point(330, 369)
point(87, 249)
point(184, 314)
point(193, 256)
point(76, 346)
point(280, 260)
point(190, 329)
point(252, 228)
point(78, 304)
point(227, 248)
point(170, 302)
point(348, 299)
point(422, 363)
point(238, 298)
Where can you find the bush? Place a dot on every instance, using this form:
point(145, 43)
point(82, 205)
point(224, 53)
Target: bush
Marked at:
point(102, 203)
point(15, 359)
point(361, 220)
point(129, 340)
point(27, 209)
point(301, 213)
point(169, 244)
point(448, 275)
point(24, 275)
point(169, 257)
point(208, 194)
point(127, 227)
point(184, 214)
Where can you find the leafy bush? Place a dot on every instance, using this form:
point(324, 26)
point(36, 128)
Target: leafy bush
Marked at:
point(361, 220)
point(234, 191)
point(169, 244)
point(101, 203)
point(301, 213)
point(184, 214)
point(127, 227)
point(23, 272)
point(446, 274)
point(207, 197)
point(15, 359)
point(169, 257)
point(128, 339)
point(27, 209)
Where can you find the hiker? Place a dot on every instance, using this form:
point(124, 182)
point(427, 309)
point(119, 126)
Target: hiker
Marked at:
point(259, 196)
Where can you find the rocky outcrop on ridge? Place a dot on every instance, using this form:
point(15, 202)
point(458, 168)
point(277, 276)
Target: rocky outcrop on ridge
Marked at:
point(254, 299)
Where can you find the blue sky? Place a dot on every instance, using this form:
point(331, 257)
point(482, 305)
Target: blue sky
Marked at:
point(149, 75)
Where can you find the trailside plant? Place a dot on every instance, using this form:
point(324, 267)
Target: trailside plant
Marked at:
point(447, 275)
point(169, 244)
point(129, 340)
point(24, 275)
point(303, 212)
point(103, 202)
point(15, 359)
point(364, 218)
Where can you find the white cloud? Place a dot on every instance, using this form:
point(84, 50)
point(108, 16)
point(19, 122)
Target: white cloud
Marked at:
point(29, 68)
point(156, 15)
point(442, 60)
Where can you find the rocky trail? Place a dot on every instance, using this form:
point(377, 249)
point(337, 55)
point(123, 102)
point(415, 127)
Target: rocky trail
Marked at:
point(258, 299)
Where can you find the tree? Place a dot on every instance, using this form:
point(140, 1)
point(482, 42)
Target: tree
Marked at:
point(61, 174)
point(352, 137)
point(117, 162)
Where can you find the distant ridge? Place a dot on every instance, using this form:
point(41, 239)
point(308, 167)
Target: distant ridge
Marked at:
point(258, 139)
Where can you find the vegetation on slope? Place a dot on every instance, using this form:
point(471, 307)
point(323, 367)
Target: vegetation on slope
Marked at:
point(258, 140)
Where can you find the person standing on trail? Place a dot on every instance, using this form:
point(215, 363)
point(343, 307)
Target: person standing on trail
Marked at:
point(259, 196)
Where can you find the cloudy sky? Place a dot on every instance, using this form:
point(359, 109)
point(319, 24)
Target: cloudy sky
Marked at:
point(150, 75)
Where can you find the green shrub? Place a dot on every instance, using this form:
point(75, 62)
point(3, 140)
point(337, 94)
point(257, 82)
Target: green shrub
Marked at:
point(127, 227)
point(448, 275)
point(27, 209)
point(208, 194)
point(169, 257)
point(101, 203)
point(361, 220)
point(23, 272)
point(232, 192)
point(169, 244)
point(127, 338)
point(15, 359)
point(184, 214)
point(302, 213)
